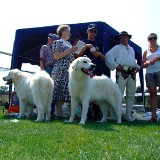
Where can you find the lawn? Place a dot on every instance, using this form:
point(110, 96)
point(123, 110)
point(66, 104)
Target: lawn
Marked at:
point(56, 140)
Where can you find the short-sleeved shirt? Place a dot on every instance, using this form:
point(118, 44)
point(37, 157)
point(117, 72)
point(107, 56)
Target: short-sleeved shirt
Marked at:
point(46, 54)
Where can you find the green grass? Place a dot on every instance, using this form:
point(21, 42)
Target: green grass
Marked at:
point(56, 140)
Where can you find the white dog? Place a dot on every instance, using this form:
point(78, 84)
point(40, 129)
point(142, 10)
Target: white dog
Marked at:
point(84, 88)
point(32, 90)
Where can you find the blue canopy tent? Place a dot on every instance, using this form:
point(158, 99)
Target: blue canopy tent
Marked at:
point(28, 42)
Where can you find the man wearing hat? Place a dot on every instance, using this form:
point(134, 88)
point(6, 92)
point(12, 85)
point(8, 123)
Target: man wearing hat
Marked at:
point(47, 60)
point(92, 50)
point(122, 58)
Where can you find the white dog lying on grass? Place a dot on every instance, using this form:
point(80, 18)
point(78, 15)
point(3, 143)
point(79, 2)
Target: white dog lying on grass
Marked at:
point(32, 90)
point(85, 88)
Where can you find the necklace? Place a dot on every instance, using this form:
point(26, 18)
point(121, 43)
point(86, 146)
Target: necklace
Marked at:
point(153, 49)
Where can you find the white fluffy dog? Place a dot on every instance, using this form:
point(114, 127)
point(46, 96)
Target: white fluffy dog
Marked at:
point(84, 88)
point(32, 90)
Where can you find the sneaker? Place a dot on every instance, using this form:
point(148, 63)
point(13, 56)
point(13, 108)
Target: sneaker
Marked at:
point(152, 120)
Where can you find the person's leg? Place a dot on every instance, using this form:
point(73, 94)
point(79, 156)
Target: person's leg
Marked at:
point(121, 82)
point(152, 81)
point(59, 104)
point(130, 97)
point(96, 111)
point(52, 109)
point(153, 99)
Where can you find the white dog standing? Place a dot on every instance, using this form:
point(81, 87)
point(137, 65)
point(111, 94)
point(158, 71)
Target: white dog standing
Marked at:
point(32, 90)
point(84, 88)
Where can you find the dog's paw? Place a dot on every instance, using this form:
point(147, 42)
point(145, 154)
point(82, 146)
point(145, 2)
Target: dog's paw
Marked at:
point(102, 121)
point(119, 122)
point(21, 117)
point(39, 120)
point(82, 122)
point(68, 121)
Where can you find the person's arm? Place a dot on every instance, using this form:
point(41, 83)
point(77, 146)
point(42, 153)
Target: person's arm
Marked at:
point(84, 49)
point(42, 64)
point(145, 63)
point(58, 55)
point(42, 57)
point(98, 55)
point(110, 58)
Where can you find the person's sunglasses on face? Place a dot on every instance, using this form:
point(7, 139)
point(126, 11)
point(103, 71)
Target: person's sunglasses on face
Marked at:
point(93, 31)
point(152, 38)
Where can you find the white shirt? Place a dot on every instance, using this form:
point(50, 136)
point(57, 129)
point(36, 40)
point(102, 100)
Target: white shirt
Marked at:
point(121, 54)
point(156, 66)
point(65, 43)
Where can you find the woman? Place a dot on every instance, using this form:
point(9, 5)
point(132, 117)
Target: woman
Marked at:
point(63, 53)
point(151, 61)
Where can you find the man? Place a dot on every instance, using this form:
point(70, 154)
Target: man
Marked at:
point(122, 58)
point(47, 60)
point(92, 51)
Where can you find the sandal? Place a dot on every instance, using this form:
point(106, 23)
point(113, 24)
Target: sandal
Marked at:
point(153, 120)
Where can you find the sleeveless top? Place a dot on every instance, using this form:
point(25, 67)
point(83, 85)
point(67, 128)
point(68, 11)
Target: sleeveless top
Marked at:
point(156, 66)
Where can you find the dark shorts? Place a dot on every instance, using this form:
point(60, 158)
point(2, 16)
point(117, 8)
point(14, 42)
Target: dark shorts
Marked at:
point(153, 79)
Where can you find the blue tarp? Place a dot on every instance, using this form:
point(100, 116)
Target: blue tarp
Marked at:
point(28, 42)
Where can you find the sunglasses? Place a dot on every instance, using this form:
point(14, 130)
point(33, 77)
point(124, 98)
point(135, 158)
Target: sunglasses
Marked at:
point(92, 31)
point(152, 38)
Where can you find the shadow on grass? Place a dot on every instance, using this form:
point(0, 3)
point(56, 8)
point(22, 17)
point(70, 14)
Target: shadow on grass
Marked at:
point(140, 123)
point(109, 126)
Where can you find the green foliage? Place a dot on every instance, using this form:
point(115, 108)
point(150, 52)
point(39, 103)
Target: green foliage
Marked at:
point(138, 89)
point(3, 90)
point(56, 140)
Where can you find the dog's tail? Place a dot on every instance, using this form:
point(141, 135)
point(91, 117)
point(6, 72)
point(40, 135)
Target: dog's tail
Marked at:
point(43, 90)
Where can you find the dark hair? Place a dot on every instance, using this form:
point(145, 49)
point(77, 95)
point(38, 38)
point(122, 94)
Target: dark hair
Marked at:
point(152, 34)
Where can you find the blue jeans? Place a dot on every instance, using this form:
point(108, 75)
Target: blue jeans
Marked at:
point(48, 69)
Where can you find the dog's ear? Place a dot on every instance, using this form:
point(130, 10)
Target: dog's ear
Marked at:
point(74, 65)
point(17, 74)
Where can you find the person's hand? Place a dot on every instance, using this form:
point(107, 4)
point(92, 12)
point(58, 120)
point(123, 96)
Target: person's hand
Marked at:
point(75, 55)
point(119, 68)
point(73, 49)
point(151, 62)
point(89, 45)
point(156, 59)
point(96, 53)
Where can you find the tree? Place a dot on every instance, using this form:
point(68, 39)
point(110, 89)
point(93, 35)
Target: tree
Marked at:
point(4, 90)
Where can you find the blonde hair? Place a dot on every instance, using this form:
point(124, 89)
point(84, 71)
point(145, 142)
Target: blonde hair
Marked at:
point(62, 28)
